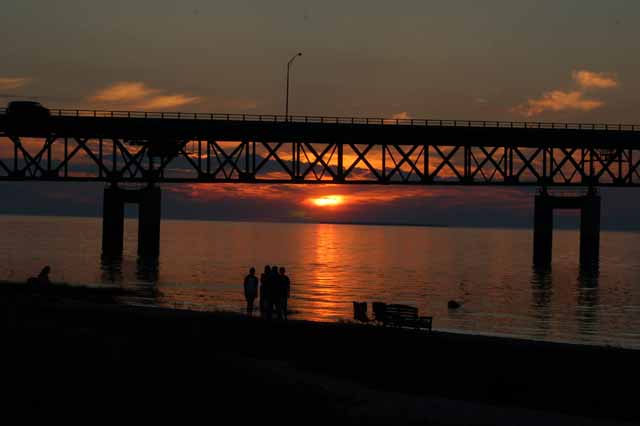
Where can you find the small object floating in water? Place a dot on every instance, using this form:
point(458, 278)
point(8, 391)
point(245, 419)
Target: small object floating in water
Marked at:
point(452, 304)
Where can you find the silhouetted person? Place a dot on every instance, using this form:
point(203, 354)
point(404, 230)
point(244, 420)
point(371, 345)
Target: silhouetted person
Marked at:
point(265, 278)
point(43, 276)
point(42, 280)
point(285, 291)
point(276, 291)
point(250, 289)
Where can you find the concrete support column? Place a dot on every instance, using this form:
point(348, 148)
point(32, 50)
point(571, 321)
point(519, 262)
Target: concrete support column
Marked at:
point(149, 222)
point(542, 230)
point(590, 231)
point(112, 221)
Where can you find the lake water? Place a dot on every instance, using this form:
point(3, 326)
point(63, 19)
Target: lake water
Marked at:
point(203, 263)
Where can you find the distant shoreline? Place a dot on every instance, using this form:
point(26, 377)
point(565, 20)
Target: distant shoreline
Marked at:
point(357, 223)
point(354, 223)
point(310, 222)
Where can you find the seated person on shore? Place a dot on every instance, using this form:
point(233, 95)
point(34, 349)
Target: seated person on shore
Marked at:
point(42, 280)
point(43, 276)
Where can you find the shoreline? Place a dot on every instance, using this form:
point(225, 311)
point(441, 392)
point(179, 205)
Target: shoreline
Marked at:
point(117, 295)
point(340, 371)
point(452, 332)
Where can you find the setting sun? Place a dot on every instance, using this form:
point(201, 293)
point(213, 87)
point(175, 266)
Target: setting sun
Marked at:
point(328, 200)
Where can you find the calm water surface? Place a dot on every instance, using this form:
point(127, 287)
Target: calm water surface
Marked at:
point(202, 265)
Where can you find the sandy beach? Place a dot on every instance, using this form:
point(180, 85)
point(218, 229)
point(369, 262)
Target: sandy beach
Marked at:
point(70, 351)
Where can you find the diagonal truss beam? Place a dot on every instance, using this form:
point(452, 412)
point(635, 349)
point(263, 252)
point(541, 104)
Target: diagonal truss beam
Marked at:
point(319, 158)
point(446, 161)
point(454, 163)
point(405, 157)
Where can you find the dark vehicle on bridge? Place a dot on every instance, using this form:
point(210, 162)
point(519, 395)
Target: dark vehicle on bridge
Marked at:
point(27, 117)
point(27, 109)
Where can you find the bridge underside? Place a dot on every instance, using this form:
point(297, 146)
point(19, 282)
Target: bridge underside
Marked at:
point(429, 162)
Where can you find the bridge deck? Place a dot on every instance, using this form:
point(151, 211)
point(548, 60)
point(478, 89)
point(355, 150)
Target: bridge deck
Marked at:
point(137, 124)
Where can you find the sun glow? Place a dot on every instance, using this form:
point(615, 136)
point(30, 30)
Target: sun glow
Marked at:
point(328, 200)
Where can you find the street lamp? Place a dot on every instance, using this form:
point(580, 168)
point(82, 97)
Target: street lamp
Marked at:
point(286, 106)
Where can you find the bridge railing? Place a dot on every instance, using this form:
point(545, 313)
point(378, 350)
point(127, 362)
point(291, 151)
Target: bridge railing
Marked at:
point(274, 118)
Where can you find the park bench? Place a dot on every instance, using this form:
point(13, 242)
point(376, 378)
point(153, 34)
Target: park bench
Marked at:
point(396, 315)
point(360, 312)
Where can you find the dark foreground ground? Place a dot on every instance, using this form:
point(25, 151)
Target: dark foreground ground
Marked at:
point(75, 354)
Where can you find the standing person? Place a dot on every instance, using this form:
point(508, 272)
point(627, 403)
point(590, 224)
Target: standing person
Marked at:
point(250, 289)
point(265, 279)
point(276, 291)
point(285, 284)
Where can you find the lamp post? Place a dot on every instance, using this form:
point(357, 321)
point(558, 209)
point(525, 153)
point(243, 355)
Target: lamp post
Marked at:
point(286, 105)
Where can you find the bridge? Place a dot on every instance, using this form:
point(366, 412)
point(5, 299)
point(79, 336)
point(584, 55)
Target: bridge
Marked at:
point(151, 148)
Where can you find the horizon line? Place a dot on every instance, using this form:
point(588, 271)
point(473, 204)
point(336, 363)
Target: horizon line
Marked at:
point(321, 222)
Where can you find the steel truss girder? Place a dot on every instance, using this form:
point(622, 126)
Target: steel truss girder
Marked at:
point(118, 160)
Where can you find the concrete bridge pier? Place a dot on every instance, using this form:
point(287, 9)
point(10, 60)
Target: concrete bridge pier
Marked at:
point(149, 217)
point(589, 206)
point(112, 221)
point(149, 222)
point(543, 230)
point(590, 231)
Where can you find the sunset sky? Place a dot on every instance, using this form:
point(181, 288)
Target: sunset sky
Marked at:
point(496, 60)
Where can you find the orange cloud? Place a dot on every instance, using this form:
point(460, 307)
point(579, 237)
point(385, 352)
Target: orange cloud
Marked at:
point(558, 100)
point(397, 116)
point(168, 101)
point(401, 116)
point(563, 100)
point(125, 91)
point(302, 193)
point(322, 201)
point(594, 80)
point(9, 83)
point(133, 94)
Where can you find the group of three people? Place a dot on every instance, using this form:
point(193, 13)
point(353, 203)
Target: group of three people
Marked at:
point(275, 288)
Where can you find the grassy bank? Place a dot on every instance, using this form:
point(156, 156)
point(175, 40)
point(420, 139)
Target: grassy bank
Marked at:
point(69, 350)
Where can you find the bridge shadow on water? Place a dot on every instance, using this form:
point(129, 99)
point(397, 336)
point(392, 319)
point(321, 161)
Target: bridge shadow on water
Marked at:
point(545, 297)
point(111, 268)
point(114, 269)
point(147, 269)
point(588, 302)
